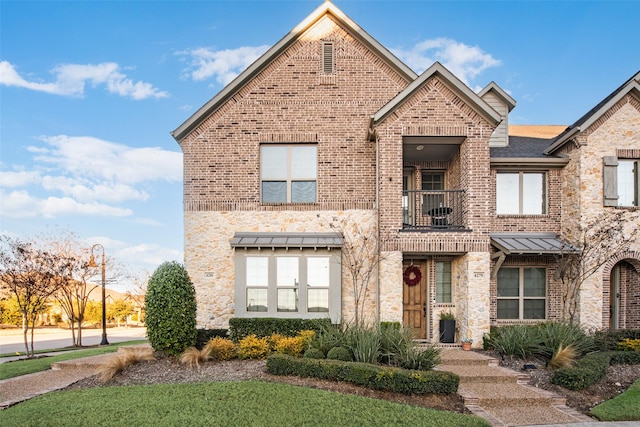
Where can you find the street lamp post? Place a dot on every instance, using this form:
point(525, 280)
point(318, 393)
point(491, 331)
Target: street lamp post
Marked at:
point(92, 263)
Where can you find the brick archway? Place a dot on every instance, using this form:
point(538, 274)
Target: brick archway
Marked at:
point(630, 257)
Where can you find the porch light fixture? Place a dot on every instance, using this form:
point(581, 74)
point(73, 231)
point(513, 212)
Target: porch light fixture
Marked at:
point(419, 147)
point(92, 263)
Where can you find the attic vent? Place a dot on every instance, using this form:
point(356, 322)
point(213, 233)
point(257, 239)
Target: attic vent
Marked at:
point(327, 58)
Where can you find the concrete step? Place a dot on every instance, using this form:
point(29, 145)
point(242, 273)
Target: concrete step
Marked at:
point(505, 394)
point(484, 374)
point(527, 415)
point(451, 356)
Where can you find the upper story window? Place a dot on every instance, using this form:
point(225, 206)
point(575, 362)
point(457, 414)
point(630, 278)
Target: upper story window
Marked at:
point(522, 293)
point(288, 173)
point(628, 182)
point(520, 193)
point(621, 181)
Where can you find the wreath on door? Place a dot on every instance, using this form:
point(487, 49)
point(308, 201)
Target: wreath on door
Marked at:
point(412, 275)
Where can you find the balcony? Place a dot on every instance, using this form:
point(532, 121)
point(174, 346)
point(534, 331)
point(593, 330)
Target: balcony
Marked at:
point(441, 210)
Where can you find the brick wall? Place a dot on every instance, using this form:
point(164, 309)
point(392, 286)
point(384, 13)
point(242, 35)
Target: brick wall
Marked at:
point(292, 101)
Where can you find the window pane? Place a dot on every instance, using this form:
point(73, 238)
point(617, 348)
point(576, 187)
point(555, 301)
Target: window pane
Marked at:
point(257, 271)
point(303, 191)
point(287, 300)
point(533, 193)
point(534, 282)
point(626, 183)
point(507, 193)
point(443, 282)
point(432, 181)
point(257, 300)
point(287, 271)
point(318, 271)
point(318, 300)
point(274, 191)
point(303, 162)
point(508, 309)
point(533, 309)
point(273, 162)
point(508, 282)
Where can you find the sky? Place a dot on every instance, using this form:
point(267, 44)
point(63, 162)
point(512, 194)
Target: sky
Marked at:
point(90, 91)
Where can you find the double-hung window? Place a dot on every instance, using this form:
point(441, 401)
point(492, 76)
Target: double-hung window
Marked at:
point(288, 173)
point(520, 193)
point(522, 293)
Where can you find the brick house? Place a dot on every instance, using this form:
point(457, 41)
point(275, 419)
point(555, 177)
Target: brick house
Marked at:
point(330, 180)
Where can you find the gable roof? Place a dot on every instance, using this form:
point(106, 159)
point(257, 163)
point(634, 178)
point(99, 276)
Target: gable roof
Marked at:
point(504, 96)
point(630, 86)
point(454, 83)
point(327, 8)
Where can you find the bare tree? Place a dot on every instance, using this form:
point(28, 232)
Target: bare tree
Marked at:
point(361, 257)
point(31, 274)
point(600, 238)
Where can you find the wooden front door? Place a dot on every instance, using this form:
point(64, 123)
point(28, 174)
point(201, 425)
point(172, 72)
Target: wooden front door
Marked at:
point(414, 300)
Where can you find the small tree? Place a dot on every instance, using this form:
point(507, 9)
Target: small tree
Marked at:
point(600, 238)
point(119, 310)
point(31, 275)
point(170, 307)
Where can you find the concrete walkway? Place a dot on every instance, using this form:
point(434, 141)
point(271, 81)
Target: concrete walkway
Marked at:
point(503, 396)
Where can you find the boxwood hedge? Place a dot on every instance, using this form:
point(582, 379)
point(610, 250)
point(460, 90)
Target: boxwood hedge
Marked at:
point(267, 326)
point(372, 376)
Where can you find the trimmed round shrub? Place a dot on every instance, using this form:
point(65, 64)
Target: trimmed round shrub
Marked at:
point(313, 353)
point(219, 348)
point(339, 353)
point(170, 308)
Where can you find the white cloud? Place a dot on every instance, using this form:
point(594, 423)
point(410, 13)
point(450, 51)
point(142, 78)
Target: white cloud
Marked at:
point(465, 61)
point(224, 65)
point(85, 156)
point(20, 204)
point(19, 178)
point(71, 79)
point(85, 176)
point(149, 254)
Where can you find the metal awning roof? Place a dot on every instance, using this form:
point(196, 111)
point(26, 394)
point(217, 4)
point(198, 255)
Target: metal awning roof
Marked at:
point(287, 240)
point(527, 243)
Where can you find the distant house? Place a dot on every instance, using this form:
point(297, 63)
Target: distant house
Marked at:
point(329, 151)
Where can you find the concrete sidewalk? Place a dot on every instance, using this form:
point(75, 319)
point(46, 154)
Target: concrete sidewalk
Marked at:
point(61, 375)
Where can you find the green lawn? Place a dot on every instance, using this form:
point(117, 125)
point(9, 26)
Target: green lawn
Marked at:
point(625, 407)
point(23, 367)
point(246, 403)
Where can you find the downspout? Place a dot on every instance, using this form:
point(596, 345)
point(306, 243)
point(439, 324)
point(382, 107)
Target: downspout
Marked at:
point(378, 225)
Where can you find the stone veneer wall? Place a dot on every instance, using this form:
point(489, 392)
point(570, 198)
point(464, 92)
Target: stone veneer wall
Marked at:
point(391, 308)
point(473, 299)
point(618, 129)
point(209, 258)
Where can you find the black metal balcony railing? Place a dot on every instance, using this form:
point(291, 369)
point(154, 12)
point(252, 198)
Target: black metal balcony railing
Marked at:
point(433, 210)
